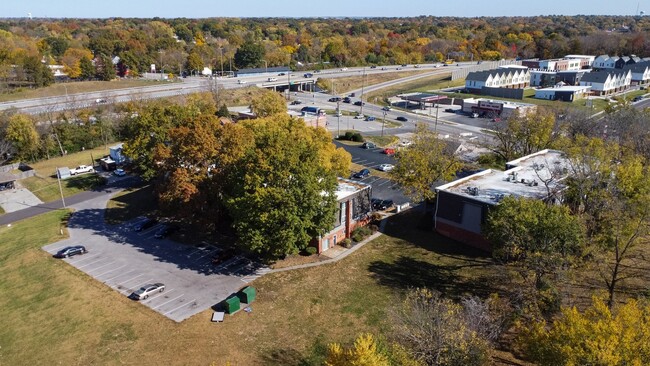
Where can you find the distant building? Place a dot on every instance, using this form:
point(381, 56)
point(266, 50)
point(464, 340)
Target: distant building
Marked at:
point(496, 108)
point(586, 61)
point(354, 209)
point(566, 93)
point(499, 78)
point(606, 82)
point(462, 206)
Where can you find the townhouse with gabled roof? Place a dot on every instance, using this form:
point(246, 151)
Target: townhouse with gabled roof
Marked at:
point(499, 78)
point(640, 73)
point(607, 81)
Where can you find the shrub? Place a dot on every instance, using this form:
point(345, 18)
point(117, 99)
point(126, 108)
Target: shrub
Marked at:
point(356, 137)
point(351, 136)
point(311, 250)
point(360, 233)
point(347, 243)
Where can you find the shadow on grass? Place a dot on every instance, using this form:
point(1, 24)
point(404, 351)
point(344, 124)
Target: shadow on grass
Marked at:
point(135, 202)
point(288, 356)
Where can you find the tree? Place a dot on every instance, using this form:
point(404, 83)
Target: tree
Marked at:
point(37, 72)
point(250, 54)
point(364, 352)
point(538, 238)
point(104, 69)
point(268, 104)
point(597, 336)
point(281, 193)
point(428, 161)
point(22, 133)
point(72, 59)
point(86, 68)
point(194, 61)
point(524, 135)
point(223, 111)
point(437, 331)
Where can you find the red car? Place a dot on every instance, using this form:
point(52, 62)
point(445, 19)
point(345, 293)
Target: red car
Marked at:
point(389, 151)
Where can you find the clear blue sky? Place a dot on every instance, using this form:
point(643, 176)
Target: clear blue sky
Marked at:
point(313, 8)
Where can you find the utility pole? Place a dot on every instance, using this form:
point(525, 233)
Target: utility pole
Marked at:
point(221, 59)
point(383, 122)
point(363, 80)
point(338, 117)
point(58, 177)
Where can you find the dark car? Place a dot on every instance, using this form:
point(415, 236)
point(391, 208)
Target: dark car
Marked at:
point(335, 99)
point(70, 251)
point(402, 119)
point(639, 98)
point(309, 75)
point(373, 66)
point(143, 292)
point(363, 173)
point(450, 110)
point(353, 94)
point(370, 118)
point(368, 145)
point(165, 230)
point(145, 224)
point(358, 102)
point(282, 74)
point(296, 102)
point(347, 100)
point(381, 205)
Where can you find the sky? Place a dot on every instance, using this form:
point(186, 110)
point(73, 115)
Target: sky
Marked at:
point(312, 8)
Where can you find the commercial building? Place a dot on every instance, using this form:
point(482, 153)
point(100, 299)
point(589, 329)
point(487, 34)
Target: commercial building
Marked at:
point(354, 209)
point(496, 108)
point(566, 93)
point(462, 206)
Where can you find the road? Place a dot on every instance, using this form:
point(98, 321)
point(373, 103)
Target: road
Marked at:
point(186, 86)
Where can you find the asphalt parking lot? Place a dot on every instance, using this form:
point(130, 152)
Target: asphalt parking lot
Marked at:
point(126, 260)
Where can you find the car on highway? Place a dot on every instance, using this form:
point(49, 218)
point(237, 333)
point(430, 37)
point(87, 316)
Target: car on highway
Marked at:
point(347, 100)
point(282, 74)
point(359, 116)
point(381, 205)
point(70, 251)
point(296, 102)
point(100, 101)
point(370, 118)
point(334, 99)
point(402, 119)
point(81, 169)
point(386, 167)
point(242, 81)
point(363, 173)
point(165, 230)
point(638, 98)
point(144, 224)
point(344, 69)
point(368, 145)
point(272, 79)
point(373, 66)
point(386, 108)
point(119, 172)
point(450, 110)
point(359, 103)
point(309, 75)
point(149, 289)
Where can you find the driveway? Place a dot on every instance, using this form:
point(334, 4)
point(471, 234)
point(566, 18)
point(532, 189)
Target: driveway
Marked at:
point(126, 260)
point(12, 200)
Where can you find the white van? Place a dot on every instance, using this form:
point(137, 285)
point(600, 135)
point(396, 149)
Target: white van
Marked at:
point(272, 79)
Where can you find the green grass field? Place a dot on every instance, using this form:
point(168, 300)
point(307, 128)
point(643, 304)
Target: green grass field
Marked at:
point(129, 204)
point(52, 311)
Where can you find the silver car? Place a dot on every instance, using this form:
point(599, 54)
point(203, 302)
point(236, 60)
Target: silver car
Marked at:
point(143, 292)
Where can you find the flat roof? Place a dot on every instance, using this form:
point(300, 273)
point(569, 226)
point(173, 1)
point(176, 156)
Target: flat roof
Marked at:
point(347, 188)
point(524, 178)
point(506, 103)
point(422, 97)
point(7, 177)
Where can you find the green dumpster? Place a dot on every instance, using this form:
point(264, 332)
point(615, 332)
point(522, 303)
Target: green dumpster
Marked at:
point(232, 305)
point(247, 294)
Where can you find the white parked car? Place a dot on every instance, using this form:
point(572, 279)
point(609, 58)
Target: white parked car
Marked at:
point(405, 143)
point(386, 167)
point(146, 290)
point(81, 169)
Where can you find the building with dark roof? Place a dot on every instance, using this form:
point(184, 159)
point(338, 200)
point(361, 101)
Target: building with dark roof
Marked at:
point(607, 81)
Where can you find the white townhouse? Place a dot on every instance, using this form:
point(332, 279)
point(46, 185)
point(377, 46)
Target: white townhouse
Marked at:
point(500, 78)
point(640, 73)
point(605, 62)
point(607, 81)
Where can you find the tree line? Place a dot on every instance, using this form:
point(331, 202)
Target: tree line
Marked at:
point(86, 47)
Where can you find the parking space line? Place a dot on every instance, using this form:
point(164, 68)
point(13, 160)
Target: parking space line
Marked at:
point(388, 181)
point(167, 302)
point(171, 311)
point(138, 285)
point(78, 259)
point(87, 264)
point(159, 294)
point(131, 279)
point(109, 271)
point(119, 275)
point(209, 253)
point(96, 268)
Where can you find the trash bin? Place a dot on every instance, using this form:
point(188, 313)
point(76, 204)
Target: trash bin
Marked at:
point(232, 305)
point(247, 294)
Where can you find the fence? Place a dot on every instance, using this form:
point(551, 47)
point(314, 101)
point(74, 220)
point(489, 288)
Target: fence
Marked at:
point(25, 170)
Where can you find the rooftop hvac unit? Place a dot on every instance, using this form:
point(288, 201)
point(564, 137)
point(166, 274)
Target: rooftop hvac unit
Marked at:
point(473, 191)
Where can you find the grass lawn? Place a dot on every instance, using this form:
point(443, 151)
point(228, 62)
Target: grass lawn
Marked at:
point(383, 141)
point(48, 305)
point(420, 85)
point(60, 89)
point(129, 204)
point(344, 85)
point(44, 184)
point(1, 211)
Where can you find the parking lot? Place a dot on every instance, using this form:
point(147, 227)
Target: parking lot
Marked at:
point(126, 260)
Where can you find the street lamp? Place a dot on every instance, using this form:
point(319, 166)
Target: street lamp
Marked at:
point(338, 117)
point(363, 80)
point(383, 122)
point(221, 59)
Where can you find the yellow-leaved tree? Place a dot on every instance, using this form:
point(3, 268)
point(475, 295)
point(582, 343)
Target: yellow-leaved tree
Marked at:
point(364, 352)
point(597, 336)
